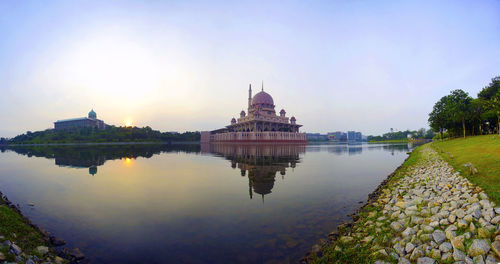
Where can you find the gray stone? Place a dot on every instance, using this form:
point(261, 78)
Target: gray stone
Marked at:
point(478, 260)
point(446, 256)
point(417, 220)
point(462, 224)
point(460, 213)
point(425, 260)
point(450, 234)
point(15, 249)
point(444, 222)
point(396, 226)
point(408, 232)
point(445, 247)
point(409, 247)
point(495, 246)
point(452, 218)
point(477, 213)
point(491, 260)
point(7, 243)
point(399, 248)
point(495, 220)
point(42, 250)
point(483, 233)
point(479, 247)
point(417, 253)
point(428, 229)
point(439, 236)
point(458, 255)
point(472, 227)
point(468, 218)
point(404, 261)
point(29, 261)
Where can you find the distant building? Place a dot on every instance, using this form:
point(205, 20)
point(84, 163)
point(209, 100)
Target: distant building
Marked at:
point(354, 136)
point(337, 136)
point(340, 136)
point(259, 124)
point(316, 137)
point(81, 122)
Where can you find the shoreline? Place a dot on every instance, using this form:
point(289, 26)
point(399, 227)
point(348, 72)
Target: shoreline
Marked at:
point(424, 212)
point(52, 248)
point(341, 228)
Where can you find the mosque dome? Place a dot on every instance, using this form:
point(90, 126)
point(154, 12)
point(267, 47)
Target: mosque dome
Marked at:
point(293, 118)
point(92, 114)
point(262, 98)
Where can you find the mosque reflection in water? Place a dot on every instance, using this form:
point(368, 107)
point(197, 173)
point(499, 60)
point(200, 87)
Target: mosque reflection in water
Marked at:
point(261, 163)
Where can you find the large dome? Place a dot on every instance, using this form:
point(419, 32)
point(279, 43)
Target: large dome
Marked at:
point(262, 98)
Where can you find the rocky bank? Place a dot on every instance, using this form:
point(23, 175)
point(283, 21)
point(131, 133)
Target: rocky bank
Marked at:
point(430, 215)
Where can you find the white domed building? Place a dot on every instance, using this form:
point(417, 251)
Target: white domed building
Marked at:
point(80, 122)
point(259, 124)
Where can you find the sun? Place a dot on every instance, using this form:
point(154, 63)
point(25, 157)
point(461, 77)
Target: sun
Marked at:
point(127, 161)
point(128, 122)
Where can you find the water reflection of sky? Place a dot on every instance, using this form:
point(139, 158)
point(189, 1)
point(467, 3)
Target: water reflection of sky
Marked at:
point(194, 204)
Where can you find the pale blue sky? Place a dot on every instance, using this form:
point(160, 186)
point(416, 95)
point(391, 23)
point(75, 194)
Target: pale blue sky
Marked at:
point(186, 65)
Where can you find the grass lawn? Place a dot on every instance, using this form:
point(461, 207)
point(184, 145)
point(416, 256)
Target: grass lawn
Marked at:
point(484, 154)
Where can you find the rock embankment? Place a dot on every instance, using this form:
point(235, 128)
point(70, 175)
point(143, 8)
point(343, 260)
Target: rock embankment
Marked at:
point(431, 215)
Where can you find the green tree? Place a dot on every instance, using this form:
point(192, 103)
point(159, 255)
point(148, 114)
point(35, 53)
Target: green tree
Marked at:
point(477, 109)
point(460, 107)
point(439, 116)
point(494, 106)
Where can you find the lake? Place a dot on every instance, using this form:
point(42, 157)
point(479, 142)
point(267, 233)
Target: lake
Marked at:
point(220, 203)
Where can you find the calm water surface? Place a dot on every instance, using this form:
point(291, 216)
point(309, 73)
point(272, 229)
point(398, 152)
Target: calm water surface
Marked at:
point(192, 203)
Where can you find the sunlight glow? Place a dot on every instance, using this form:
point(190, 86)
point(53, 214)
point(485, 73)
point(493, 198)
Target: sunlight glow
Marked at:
point(127, 161)
point(127, 122)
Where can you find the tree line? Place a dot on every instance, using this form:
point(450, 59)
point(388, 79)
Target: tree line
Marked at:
point(110, 134)
point(458, 114)
point(403, 135)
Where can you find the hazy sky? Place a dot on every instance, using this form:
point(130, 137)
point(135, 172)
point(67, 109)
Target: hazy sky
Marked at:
point(186, 65)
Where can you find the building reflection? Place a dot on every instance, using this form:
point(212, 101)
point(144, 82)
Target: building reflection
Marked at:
point(260, 163)
point(91, 157)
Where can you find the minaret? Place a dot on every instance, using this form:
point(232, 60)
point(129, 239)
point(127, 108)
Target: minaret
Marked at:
point(249, 97)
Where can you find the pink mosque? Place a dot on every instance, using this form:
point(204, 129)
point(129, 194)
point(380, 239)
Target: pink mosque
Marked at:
point(259, 124)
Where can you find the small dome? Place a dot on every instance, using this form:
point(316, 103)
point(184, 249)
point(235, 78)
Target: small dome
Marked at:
point(92, 114)
point(293, 118)
point(282, 111)
point(262, 98)
point(233, 120)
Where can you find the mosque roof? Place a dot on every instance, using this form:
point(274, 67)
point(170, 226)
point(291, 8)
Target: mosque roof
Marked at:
point(262, 98)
